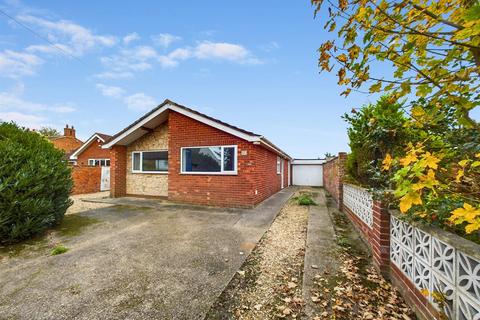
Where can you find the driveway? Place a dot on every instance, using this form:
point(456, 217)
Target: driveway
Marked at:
point(135, 262)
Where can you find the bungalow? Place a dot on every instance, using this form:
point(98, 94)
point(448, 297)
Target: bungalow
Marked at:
point(91, 152)
point(183, 155)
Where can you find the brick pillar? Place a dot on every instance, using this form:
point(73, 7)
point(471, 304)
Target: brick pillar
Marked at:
point(380, 240)
point(118, 171)
point(342, 159)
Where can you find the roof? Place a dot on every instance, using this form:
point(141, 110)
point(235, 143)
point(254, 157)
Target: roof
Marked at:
point(102, 136)
point(139, 127)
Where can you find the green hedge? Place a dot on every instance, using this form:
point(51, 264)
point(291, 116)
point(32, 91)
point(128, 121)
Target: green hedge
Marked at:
point(35, 183)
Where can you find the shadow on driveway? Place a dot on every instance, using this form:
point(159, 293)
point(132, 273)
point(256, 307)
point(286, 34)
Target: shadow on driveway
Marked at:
point(151, 262)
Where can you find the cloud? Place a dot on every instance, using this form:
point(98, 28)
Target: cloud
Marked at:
point(14, 64)
point(110, 91)
point(131, 37)
point(78, 38)
point(22, 119)
point(114, 75)
point(271, 46)
point(139, 102)
point(222, 51)
point(165, 39)
point(13, 107)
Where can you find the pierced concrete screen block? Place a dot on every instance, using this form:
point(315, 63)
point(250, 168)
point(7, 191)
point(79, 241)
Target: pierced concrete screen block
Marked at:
point(439, 267)
point(360, 202)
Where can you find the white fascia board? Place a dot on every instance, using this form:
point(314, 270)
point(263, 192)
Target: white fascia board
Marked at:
point(214, 124)
point(278, 151)
point(308, 161)
point(189, 114)
point(74, 155)
point(135, 127)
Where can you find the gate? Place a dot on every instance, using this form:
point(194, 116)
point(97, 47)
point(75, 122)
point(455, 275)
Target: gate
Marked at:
point(105, 179)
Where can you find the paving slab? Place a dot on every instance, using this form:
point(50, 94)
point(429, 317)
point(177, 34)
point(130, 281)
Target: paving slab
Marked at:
point(139, 261)
point(320, 249)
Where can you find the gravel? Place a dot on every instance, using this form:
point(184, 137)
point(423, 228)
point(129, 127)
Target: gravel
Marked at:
point(81, 206)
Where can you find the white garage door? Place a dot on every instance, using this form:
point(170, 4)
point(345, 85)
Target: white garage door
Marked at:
point(307, 175)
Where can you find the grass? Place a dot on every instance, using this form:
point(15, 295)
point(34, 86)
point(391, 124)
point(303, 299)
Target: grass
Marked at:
point(58, 250)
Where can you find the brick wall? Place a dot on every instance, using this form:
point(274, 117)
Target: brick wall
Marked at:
point(93, 151)
point(263, 173)
point(85, 179)
point(118, 171)
point(333, 173)
point(67, 144)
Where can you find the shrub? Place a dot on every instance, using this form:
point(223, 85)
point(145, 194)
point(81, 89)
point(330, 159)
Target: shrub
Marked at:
point(58, 250)
point(305, 200)
point(35, 183)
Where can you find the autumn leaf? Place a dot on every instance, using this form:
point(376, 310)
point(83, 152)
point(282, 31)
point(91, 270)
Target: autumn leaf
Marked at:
point(408, 200)
point(387, 162)
point(409, 158)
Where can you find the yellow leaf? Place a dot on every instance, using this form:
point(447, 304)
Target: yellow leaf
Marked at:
point(425, 292)
point(342, 58)
point(431, 160)
point(387, 162)
point(473, 227)
point(460, 174)
point(463, 163)
point(409, 158)
point(408, 200)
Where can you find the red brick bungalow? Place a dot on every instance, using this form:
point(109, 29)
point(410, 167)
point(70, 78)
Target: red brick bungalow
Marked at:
point(183, 155)
point(91, 152)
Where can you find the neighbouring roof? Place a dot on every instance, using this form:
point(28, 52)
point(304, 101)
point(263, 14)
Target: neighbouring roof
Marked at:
point(102, 136)
point(141, 126)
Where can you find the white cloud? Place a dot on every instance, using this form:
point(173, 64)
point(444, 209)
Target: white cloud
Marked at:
point(58, 49)
point(139, 102)
point(79, 39)
point(14, 64)
point(131, 37)
point(268, 47)
point(221, 50)
point(165, 39)
point(114, 75)
point(110, 91)
point(63, 108)
point(24, 120)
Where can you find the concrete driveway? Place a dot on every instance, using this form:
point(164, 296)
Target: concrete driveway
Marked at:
point(151, 262)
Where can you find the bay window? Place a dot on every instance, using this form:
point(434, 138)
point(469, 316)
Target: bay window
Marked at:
point(209, 160)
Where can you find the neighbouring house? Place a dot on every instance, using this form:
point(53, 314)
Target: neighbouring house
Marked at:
point(186, 156)
point(91, 152)
point(91, 165)
point(68, 142)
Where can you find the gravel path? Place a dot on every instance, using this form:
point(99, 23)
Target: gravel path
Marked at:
point(80, 206)
point(269, 285)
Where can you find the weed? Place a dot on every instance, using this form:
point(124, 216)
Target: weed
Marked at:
point(58, 250)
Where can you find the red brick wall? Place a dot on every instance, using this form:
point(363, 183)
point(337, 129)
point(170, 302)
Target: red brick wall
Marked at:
point(67, 144)
point(118, 171)
point(256, 170)
point(93, 151)
point(86, 179)
point(333, 172)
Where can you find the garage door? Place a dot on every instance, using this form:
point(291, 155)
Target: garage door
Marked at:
point(307, 175)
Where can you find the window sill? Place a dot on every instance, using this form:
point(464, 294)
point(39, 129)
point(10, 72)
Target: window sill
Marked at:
point(149, 172)
point(210, 173)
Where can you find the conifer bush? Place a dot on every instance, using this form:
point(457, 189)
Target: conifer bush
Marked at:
point(35, 183)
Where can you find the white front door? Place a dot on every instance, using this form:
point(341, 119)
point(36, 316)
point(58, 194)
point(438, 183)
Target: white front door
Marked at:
point(105, 179)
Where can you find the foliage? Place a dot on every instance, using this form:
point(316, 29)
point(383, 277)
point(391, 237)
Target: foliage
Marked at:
point(305, 199)
point(58, 250)
point(35, 183)
point(433, 47)
point(49, 132)
point(374, 131)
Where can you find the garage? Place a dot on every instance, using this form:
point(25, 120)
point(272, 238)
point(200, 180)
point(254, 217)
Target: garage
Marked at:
point(307, 172)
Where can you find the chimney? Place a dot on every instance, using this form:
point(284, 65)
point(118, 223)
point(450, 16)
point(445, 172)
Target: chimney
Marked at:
point(69, 132)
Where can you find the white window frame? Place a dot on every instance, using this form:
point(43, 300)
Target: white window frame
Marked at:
point(279, 165)
point(221, 172)
point(94, 159)
point(141, 161)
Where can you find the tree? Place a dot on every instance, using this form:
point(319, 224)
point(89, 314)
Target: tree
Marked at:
point(49, 132)
point(433, 46)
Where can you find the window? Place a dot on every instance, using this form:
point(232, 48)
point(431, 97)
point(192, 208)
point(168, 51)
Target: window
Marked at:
point(150, 161)
point(216, 159)
point(279, 166)
point(99, 162)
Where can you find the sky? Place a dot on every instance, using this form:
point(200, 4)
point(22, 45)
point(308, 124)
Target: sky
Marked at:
point(252, 64)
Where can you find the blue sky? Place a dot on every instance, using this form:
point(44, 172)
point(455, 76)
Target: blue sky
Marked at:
point(249, 63)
